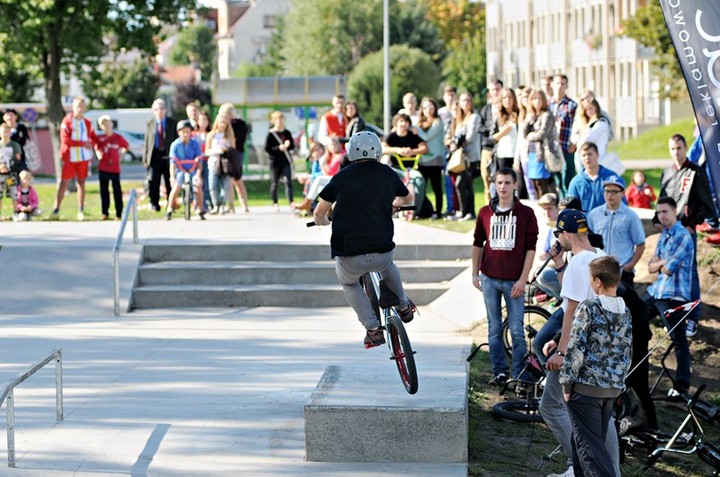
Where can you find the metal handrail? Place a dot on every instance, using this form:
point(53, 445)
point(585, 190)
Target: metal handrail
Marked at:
point(116, 249)
point(7, 394)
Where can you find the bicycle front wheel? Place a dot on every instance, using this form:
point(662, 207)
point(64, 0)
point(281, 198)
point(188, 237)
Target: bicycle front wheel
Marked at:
point(402, 354)
point(187, 200)
point(533, 320)
point(519, 410)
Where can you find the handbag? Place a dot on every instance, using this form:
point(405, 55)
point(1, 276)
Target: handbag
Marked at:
point(553, 156)
point(457, 162)
point(32, 156)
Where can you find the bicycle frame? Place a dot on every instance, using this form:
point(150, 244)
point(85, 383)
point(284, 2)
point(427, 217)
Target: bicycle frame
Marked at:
point(707, 452)
point(187, 186)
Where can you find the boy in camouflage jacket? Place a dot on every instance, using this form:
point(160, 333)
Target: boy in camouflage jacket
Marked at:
point(594, 370)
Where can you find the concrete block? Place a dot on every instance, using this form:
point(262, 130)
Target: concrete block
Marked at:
point(363, 414)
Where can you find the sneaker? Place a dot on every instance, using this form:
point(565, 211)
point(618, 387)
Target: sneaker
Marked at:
point(677, 394)
point(202, 215)
point(374, 338)
point(713, 239)
point(168, 215)
point(568, 473)
point(498, 380)
point(706, 228)
point(691, 328)
point(104, 217)
point(406, 315)
point(80, 216)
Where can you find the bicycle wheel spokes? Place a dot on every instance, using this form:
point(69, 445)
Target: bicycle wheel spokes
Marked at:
point(533, 320)
point(402, 354)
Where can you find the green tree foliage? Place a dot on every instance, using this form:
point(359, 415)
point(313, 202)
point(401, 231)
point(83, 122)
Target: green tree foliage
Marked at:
point(189, 93)
point(327, 37)
point(195, 44)
point(117, 85)
point(465, 66)
point(648, 28)
point(411, 69)
point(19, 77)
point(61, 35)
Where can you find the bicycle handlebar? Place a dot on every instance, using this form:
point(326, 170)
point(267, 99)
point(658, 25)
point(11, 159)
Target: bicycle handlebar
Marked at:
point(193, 162)
point(397, 209)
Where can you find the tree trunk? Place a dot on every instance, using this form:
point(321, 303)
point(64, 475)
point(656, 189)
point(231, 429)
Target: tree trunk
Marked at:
point(53, 94)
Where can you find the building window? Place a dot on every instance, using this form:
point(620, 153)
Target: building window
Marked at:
point(269, 21)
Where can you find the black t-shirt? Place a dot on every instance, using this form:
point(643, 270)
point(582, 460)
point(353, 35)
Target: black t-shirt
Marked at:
point(362, 218)
point(410, 140)
point(241, 130)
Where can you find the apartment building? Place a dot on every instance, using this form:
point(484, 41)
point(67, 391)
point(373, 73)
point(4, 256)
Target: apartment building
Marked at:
point(529, 39)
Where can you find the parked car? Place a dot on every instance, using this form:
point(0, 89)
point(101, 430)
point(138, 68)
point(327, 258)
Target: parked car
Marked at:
point(136, 144)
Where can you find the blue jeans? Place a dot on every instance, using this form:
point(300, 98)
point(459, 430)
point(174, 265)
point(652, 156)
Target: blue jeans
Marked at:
point(548, 282)
point(493, 289)
point(551, 326)
point(695, 285)
point(678, 336)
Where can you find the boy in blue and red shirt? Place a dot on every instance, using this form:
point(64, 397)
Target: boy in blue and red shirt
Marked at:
point(185, 155)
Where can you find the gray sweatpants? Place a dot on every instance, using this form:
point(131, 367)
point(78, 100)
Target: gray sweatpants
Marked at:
point(350, 269)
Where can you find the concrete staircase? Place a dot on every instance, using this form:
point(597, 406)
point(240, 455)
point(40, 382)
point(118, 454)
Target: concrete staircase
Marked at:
point(275, 274)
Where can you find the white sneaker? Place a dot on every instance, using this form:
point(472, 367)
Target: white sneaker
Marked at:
point(568, 473)
point(691, 328)
point(80, 216)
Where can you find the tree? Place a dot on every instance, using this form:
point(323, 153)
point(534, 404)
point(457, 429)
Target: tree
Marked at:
point(195, 44)
point(20, 78)
point(411, 69)
point(329, 37)
point(187, 93)
point(65, 35)
point(648, 28)
point(465, 67)
point(117, 85)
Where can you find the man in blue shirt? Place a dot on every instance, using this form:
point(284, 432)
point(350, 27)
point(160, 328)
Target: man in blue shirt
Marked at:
point(587, 185)
point(185, 156)
point(620, 227)
point(673, 262)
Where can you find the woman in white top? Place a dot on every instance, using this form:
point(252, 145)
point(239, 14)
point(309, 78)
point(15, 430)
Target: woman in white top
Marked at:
point(593, 127)
point(219, 140)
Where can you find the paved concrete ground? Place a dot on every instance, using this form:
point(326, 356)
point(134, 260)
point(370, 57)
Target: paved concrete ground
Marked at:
point(188, 392)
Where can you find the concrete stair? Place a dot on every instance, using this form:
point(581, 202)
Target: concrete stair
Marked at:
point(272, 274)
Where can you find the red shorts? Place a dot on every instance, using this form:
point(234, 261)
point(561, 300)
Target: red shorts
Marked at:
point(71, 170)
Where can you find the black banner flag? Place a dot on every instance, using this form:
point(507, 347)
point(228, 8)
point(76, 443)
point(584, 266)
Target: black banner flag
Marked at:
point(694, 27)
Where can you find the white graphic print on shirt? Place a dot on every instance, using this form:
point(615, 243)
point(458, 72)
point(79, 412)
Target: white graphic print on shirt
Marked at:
point(502, 231)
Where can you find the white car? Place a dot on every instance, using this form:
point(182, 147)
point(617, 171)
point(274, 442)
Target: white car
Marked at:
point(136, 145)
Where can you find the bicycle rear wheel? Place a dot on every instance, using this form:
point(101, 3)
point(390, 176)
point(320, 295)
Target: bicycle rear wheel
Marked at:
point(366, 283)
point(402, 354)
point(519, 410)
point(533, 319)
point(187, 200)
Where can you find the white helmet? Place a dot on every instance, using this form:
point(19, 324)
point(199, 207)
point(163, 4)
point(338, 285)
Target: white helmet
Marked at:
point(364, 145)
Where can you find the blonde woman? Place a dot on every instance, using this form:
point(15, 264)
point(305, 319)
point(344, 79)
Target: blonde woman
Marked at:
point(505, 135)
point(218, 142)
point(592, 127)
point(520, 163)
point(464, 130)
point(241, 131)
point(278, 144)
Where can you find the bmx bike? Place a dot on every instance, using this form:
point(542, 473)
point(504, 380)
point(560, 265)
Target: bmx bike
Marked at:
point(188, 179)
point(384, 303)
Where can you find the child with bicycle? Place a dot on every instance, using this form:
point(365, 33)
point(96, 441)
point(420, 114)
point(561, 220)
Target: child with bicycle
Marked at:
point(596, 363)
point(185, 156)
point(365, 195)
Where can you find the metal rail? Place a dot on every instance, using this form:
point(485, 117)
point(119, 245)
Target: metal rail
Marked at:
point(7, 395)
point(132, 205)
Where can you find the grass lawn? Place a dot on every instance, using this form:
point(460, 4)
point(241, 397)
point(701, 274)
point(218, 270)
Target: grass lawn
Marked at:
point(653, 144)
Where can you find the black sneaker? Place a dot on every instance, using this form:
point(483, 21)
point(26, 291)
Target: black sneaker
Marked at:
point(498, 379)
point(374, 338)
point(407, 314)
point(168, 215)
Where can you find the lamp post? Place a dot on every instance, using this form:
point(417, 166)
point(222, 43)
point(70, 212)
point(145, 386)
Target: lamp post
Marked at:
point(386, 67)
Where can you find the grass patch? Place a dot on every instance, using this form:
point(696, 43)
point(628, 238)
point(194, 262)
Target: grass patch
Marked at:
point(653, 144)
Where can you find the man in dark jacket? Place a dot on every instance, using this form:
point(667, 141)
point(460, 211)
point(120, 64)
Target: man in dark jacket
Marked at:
point(159, 134)
point(687, 184)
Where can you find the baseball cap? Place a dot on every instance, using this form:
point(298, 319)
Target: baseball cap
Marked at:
point(570, 202)
point(184, 124)
point(548, 199)
point(104, 118)
point(614, 180)
point(571, 221)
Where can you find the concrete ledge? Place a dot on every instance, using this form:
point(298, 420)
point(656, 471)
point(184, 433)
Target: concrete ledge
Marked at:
point(363, 414)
